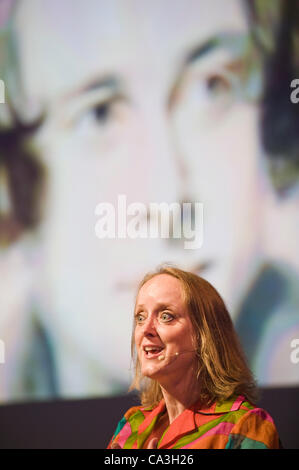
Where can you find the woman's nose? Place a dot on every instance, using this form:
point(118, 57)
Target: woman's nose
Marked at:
point(149, 327)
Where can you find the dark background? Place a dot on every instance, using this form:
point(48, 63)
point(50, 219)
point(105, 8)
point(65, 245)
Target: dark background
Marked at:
point(89, 424)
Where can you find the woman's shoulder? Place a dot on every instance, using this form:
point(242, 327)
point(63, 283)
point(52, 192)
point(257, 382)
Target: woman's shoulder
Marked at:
point(253, 428)
point(244, 423)
point(135, 413)
point(129, 423)
point(135, 410)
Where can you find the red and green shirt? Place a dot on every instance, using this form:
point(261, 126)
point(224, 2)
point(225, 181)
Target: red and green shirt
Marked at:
point(232, 424)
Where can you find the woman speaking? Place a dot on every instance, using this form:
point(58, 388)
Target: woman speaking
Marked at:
point(196, 389)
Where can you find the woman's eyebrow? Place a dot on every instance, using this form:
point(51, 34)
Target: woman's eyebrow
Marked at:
point(159, 305)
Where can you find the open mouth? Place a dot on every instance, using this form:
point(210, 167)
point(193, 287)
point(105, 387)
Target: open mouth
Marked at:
point(152, 352)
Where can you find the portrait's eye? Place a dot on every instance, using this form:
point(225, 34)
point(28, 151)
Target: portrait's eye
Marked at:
point(97, 115)
point(218, 89)
point(95, 111)
point(218, 85)
point(206, 95)
point(101, 112)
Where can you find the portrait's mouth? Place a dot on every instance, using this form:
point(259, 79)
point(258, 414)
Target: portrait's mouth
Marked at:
point(152, 352)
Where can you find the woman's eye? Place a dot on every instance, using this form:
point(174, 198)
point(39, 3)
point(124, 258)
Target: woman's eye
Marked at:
point(166, 317)
point(139, 318)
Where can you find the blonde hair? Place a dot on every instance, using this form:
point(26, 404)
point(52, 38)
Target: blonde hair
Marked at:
point(222, 366)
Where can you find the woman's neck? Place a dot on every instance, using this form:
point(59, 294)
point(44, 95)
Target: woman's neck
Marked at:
point(179, 396)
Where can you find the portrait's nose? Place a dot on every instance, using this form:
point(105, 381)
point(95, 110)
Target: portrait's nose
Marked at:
point(163, 180)
point(162, 175)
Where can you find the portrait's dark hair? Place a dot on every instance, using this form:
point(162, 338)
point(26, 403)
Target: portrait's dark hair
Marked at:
point(24, 175)
point(275, 29)
point(21, 170)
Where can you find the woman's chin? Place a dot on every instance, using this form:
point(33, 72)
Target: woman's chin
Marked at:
point(151, 372)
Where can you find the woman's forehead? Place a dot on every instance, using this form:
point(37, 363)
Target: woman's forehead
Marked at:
point(162, 288)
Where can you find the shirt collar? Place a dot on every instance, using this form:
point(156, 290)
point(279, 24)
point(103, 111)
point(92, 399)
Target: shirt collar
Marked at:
point(231, 404)
point(185, 422)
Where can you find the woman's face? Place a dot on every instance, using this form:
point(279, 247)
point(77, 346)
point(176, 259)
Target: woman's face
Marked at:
point(163, 328)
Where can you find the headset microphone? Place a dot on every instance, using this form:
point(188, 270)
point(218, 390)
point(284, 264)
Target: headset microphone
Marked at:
point(162, 356)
